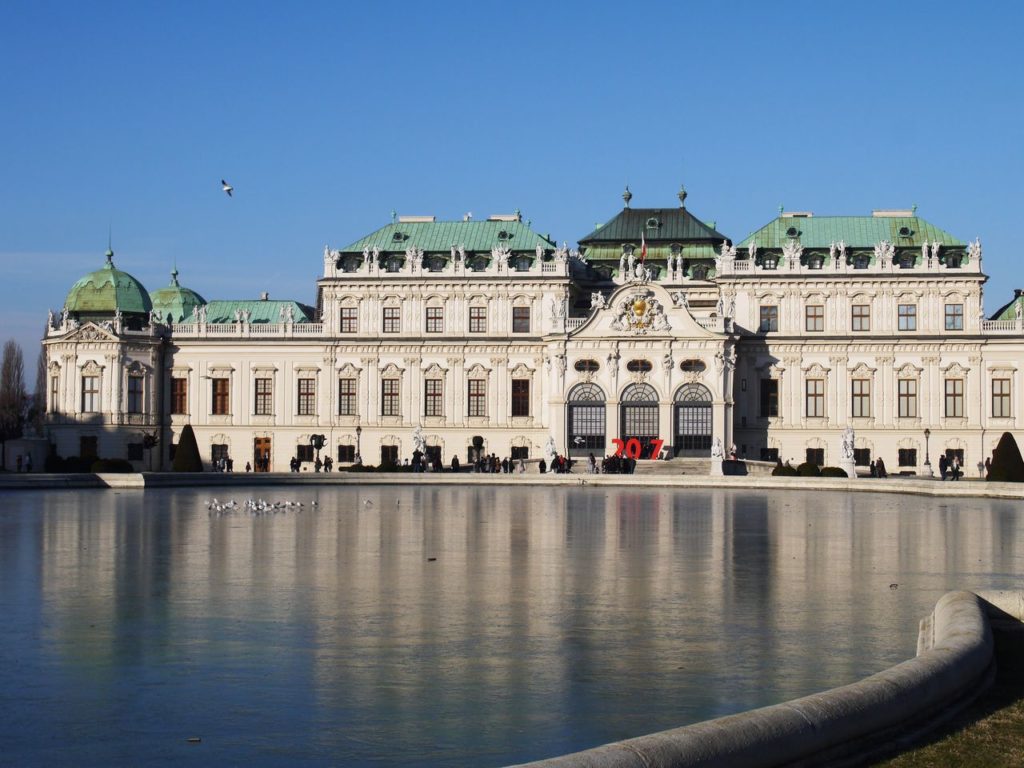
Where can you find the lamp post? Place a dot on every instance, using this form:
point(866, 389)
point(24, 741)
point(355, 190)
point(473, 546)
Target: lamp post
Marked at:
point(927, 459)
point(359, 434)
point(317, 441)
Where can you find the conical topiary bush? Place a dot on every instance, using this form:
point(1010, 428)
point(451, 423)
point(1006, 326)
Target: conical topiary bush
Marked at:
point(1007, 464)
point(186, 456)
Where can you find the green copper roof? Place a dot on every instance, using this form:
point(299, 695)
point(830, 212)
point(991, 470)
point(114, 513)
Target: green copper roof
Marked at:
point(108, 290)
point(440, 236)
point(1009, 311)
point(221, 311)
point(855, 231)
point(664, 225)
point(174, 303)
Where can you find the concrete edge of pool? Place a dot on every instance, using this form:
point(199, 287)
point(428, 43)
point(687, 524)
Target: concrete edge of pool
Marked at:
point(142, 481)
point(955, 663)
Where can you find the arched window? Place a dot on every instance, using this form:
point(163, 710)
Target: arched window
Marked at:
point(639, 366)
point(586, 420)
point(587, 366)
point(639, 416)
point(692, 412)
point(692, 366)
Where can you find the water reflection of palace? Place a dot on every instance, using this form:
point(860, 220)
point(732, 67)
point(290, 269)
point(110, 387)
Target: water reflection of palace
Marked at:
point(706, 601)
point(487, 336)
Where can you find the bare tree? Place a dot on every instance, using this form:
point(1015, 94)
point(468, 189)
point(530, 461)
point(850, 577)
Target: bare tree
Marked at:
point(38, 410)
point(13, 398)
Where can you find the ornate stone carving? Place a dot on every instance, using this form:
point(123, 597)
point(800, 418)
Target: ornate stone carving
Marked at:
point(936, 248)
point(680, 299)
point(792, 251)
point(974, 250)
point(848, 443)
point(640, 313)
point(752, 251)
point(885, 252)
point(597, 300)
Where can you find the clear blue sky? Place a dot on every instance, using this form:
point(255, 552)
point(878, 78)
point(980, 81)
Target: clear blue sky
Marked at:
point(326, 116)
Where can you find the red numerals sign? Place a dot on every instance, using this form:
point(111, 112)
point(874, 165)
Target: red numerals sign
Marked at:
point(632, 447)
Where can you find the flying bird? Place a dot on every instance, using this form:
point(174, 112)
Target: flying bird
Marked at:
point(226, 187)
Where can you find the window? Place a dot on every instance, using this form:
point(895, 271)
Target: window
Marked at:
point(307, 397)
point(346, 397)
point(692, 366)
point(769, 318)
point(769, 398)
point(907, 457)
point(220, 401)
point(520, 319)
point(304, 452)
point(88, 447)
point(477, 397)
point(862, 456)
point(1000, 398)
point(954, 317)
point(179, 396)
point(135, 451)
point(814, 317)
point(587, 366)
point(388, 455)
point(389, 401)
point(478, 319)
point(218, 452)
point(861, 393)
point(54, 393)
point(392, 320)
point(520, 452)
point(907, 398)
point(639, 366)
point(263, 405)
point(816, 456)
point(90, 394)
point(346, 453)
point(954, 398)
point(907, 317)
point(435, 320)
point(349, 321)
point(433, 397)
point(134, 394)
point(860, 319)
point(520, 397)
point(815, 398)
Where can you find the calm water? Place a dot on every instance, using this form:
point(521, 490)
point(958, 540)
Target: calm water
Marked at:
point(551, 620)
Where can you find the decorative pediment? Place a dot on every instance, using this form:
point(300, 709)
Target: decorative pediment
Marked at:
point(137, 369)
point(434, 370)
point(307, 369)
point(816, 369)
point(91, 368)
point(53, 367)
point(349, 369)
point(908, 371)
point(522, 371)
point(221, 439)
point(771, 370)
point(639, 313)
point(862, 370)
point(955, 369)
point(391, 370)
point(477, 370)
point(91, 332)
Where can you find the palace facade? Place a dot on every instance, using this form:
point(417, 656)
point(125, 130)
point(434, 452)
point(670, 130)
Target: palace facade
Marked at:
point(485, 335)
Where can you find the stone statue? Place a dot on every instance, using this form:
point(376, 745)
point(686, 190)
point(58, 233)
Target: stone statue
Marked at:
point(238, 315)
point(64, 317)
point(731, 309)
point(560, 362)
point(667, 362)
point(659, 322)
point(49, 318)
point(118, 317)
point(717, 451)
point(842, 250)
point(974, 250)
point(200, 314)
point(622, 264)
point(847, 446)
point(936, 247)
point(154, 317)
point(1018, 310)
point(557, 308)
point(719, 307)
point(752, 251)
point(550, 452)
point(925, 253)
point(631, 262)
point(540, 252)
point(419, 443)
point(833, 252)
point(597, 300)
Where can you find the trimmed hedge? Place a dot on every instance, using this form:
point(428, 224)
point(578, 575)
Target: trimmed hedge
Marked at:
point(186, 456)
point(833, 472)
point(783, 471)
point(808, 470)
point(1007, 464)
point(111, 465)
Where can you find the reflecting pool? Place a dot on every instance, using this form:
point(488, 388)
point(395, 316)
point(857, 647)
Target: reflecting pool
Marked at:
point(473, 625)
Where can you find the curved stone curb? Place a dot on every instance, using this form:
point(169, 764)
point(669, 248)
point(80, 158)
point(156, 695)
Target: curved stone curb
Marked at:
point(825, 726)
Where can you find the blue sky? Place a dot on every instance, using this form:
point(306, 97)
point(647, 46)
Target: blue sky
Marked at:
point(326, 116)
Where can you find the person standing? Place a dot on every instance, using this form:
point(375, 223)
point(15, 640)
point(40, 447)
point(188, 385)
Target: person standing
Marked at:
point(542, 466)
point(956, 468)
point(943, 466)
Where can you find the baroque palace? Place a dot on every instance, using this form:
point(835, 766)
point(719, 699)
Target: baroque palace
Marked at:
point(483, 335)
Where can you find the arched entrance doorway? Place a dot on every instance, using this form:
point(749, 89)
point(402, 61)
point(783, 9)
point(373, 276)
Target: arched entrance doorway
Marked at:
point(586, 420)
point(692, 406)
point(639, 416)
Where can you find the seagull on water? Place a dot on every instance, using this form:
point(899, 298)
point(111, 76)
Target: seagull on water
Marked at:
point(226, 187)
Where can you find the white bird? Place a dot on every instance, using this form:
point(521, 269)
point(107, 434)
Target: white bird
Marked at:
point(226, 187)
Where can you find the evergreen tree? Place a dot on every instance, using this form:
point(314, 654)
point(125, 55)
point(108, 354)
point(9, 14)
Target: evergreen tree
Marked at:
point(13, 397)
point(186, 456)
point(1007, 464)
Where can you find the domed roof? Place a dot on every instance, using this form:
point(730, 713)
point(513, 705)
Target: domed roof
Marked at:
point(108, 290)
point(174, 303)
